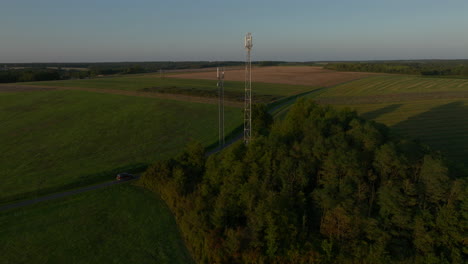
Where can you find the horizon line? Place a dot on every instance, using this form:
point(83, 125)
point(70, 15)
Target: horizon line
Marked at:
point(287, 61)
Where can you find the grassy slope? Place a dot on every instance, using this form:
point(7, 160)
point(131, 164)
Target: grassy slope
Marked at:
point(394, 84)
point(440, 123)
point(135, 83)
point(116, 225)
point(120, 224)
point(53, 138)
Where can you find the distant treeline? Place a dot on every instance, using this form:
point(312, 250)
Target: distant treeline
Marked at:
point(26, 72)
point(432, 68)
point(40, 74)
point(320, 186)
point(142, 67)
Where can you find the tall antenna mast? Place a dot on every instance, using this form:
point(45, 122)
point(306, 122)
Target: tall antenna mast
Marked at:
point(220, 76)
point(248, 90)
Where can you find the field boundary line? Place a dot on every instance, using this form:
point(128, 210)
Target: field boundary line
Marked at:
point(175, 97)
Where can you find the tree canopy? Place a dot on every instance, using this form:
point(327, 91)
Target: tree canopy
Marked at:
point(321, 185)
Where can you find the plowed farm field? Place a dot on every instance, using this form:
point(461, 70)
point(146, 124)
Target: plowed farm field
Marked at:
point(295, 75)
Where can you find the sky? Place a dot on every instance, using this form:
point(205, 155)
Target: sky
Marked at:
point(209, 30)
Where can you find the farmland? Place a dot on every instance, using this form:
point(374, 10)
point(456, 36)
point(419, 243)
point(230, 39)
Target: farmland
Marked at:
point(62, 134)
point(55, 138)
point(119, 224)
point(152, 83)
point(286, 75)
point(74, 132)
point(65, 133)
point(397, 84)
point(430, 109)
point(70, 123)
point(439, 123)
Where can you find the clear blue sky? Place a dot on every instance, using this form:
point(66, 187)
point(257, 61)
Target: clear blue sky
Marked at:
point(292, 30)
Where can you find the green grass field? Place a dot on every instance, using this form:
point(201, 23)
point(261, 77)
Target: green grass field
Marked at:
point(139, 82)
point(396, 84)
point(439, 123)
point(119, 224)
point(442, 124)
point(51, 139)
point(55, 138)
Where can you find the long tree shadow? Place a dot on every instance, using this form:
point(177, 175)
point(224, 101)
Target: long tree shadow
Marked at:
point(385, 110)
point(443, 128)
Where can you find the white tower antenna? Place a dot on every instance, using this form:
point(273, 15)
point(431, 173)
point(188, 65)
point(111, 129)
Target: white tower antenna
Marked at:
point(220, 76)
point(248, 90)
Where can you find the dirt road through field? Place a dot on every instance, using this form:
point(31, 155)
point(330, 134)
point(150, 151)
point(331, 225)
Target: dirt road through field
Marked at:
point(59, 195)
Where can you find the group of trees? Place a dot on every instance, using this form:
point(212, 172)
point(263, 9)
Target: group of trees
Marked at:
point(322, 185)
point(40, 74)
point(432, 68)
point(26, 72)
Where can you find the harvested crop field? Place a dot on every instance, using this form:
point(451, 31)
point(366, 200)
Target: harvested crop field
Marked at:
point(397, 84)
point(296, 75)
point(388, 98)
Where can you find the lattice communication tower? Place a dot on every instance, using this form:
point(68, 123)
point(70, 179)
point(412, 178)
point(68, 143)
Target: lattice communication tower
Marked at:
point(248, 90)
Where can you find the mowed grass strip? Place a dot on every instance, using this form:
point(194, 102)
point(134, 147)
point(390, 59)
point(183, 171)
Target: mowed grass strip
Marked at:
point(396, 84)
point(53, 138)
point(138, 83)
point(441, 124)
point(118, 224)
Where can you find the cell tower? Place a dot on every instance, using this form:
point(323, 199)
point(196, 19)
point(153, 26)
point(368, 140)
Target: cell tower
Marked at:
point(220, 76)
point(248, 90)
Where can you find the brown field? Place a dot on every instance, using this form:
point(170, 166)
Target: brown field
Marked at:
point(296, 75)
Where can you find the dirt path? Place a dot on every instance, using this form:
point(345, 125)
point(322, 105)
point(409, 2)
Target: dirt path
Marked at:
point(177, 97)
point(59, 195)
point(296, 75)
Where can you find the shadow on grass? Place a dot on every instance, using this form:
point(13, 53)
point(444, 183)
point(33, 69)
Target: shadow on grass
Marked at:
point(443, 128)
point(382, 111)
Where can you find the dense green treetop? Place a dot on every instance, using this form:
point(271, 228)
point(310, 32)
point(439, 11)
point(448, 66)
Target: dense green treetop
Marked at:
point(322, 185)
